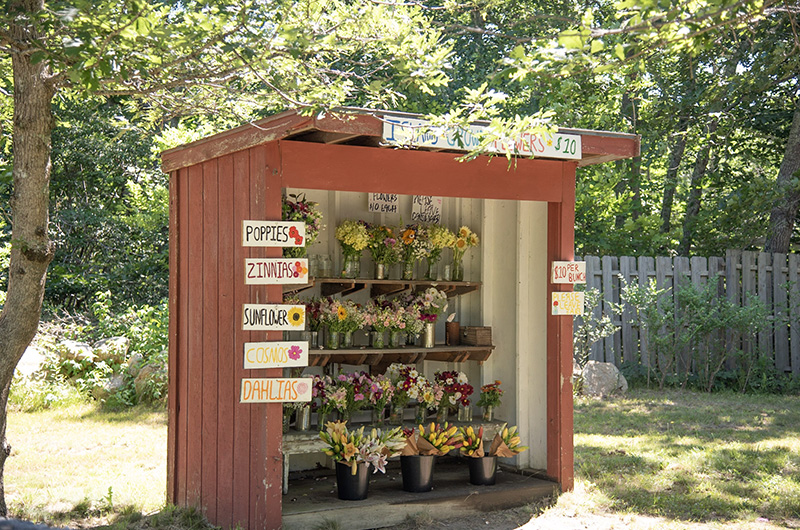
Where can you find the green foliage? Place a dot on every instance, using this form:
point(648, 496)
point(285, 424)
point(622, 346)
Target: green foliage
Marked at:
point(36, 394)
point(595, 324)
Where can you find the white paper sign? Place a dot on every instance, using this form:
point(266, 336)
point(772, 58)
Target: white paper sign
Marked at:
point(568, 272)
point(276, 390)
point(567, 303)
point(273, 317)
point(271, 271)
point(275, 354)
point(273, 234)
point(383, 202)
point(426, 209)
point(411, 131)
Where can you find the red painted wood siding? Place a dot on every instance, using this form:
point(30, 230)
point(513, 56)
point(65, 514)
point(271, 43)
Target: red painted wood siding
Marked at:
point(223, 456)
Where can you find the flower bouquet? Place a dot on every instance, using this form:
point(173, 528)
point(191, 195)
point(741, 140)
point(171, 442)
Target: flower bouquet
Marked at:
point(456, 390)
point(410, 250)
point(464, 239)
point(380, 316)
point(489, 399)
point(381, 391)
point(353, 237)
point(354, 452)
point(406, 381)
point(340, 316)
point(297, 208)
point(507, 442)
point(384, 248)
point(431, 303)
point(438, 439)
point(434, 239)
point(323, 403)
point(351, 393)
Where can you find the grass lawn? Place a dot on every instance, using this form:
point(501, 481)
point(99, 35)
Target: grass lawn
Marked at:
point(649, 460)
point(78, 462)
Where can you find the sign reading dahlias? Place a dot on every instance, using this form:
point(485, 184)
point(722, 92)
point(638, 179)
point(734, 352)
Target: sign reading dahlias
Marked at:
point(276, 390)
point(270, 271)
point(275, 354)
point(273, 317)
point(273, 234)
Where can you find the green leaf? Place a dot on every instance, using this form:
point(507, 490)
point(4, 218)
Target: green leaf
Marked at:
point(597, 45)
point(571, 38)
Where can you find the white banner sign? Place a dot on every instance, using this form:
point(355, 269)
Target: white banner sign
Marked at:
point(273, 234)
point(270, 271)
point(568, 272)
point(273, 317)
point(567, 303)
point(277, 390)
point(415, 132)
point(426, 209)
point(275, 354)
point(383, 202)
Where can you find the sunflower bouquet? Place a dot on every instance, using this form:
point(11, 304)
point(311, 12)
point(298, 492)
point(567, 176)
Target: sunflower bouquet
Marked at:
point(340, 316)
point(464, 239)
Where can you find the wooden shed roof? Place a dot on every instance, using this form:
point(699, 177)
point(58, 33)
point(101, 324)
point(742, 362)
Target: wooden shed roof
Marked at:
point(361, 127)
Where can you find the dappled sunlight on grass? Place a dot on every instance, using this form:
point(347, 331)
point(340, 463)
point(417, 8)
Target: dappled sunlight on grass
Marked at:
point(121, 458)
point(692, 457)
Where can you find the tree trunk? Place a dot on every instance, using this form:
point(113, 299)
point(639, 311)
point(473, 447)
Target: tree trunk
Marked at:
point(671, 180)
point(31, 250)
point(696, 190)
point(781, 219)
point(632, 168)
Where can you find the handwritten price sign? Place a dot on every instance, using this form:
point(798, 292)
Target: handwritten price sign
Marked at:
point(567, 303)
point(568, 272)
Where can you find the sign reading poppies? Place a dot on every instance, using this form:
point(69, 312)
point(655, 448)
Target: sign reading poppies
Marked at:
point(273, 233)
point(568, 272)
point(270, 271)
point(276, 390)
point(567, 303)
point(273, 317)
point(275, 354)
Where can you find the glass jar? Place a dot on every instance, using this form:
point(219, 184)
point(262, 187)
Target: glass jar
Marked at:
point(351, 267)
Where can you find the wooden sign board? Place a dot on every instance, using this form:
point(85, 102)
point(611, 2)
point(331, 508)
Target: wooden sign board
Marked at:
point(402, 130)
point(567, 303)
point(276, 390)
point(273, 317)
point(426, 209)
point(271, 271)
point(275, 354)
point(273, 234)
point(568, 272)
point(383, 202)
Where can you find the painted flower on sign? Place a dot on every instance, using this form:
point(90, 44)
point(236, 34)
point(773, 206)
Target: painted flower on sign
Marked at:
point(296, 317)
point(295, 352)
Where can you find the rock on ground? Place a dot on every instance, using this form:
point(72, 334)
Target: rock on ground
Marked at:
point(603, 379)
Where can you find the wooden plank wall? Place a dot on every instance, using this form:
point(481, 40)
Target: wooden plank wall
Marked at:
point(772, 278)
point(218, 454)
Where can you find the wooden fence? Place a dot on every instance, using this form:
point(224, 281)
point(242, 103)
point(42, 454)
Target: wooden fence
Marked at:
point(773, 278)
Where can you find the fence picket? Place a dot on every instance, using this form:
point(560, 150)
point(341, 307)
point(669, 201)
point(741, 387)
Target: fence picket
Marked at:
point(738, 277)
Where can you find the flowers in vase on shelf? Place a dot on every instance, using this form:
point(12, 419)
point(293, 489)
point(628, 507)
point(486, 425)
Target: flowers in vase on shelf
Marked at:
point(297, 208)
point(341, 316)
point(455, 386)
point(431, 303)
point(433, 239)
point(354, 447)
point(407, 383)
point(490, 395)
point(381, 391)
point(321, 391)
point(412, 318)
point(353, 237)
point(379, 314)
point(352, 392)
point(464, 239)
point(383, 244)
point(411, 250)
point(430, 394)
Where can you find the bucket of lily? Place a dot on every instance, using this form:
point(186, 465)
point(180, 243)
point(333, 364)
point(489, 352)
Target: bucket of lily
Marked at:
point(483, 464)
point(418, 456)
point(354, 451)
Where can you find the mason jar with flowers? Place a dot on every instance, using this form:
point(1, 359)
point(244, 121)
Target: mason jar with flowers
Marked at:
point(431, 303)
point(412, 319)
point(341, 317)
point(384, 247)
point(397, 324)
point(406, 381)
point(353, 238)
point(295, 207)
point(411, 250)
point(381, 391)
point(378, 316)
point(456, 391)
point(434, 239)
point(352, 393)
point(464, 239)
point(490, 399)
point(322, 403)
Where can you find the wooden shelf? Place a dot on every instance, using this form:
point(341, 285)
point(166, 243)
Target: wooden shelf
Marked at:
point(408, 355)
point(345, 286)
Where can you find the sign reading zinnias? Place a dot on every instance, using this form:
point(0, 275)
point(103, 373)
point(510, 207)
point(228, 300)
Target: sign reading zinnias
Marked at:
point(419, 133)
